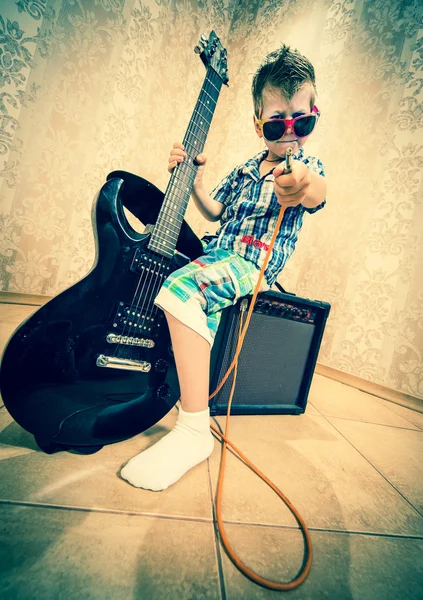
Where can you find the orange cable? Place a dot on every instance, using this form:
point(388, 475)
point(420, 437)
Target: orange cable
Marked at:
point(268, 583)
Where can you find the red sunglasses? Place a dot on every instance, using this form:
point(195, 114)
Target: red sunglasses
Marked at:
point(274, 129)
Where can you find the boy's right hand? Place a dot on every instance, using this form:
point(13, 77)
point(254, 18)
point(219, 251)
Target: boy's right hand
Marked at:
point(178, 155)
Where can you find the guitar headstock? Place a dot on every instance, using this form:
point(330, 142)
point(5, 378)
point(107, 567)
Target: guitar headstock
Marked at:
point(213, 54)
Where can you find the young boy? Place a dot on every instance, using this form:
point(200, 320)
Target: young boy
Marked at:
point(247, 202)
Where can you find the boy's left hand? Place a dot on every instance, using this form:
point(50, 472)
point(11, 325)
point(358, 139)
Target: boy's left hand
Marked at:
point(292, 189)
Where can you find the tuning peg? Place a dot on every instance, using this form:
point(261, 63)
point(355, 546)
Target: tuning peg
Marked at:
point(202, 43)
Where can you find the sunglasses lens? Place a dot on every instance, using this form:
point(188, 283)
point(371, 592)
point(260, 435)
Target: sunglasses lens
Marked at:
point(273, 130)
point(305, 125)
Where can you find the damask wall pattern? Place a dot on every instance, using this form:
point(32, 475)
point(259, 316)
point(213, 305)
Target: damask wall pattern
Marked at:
point(90, 86)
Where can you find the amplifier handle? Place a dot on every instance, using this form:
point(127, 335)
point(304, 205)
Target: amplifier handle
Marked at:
point(280, 288)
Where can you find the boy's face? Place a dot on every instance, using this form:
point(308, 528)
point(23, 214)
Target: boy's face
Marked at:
point(275, 106)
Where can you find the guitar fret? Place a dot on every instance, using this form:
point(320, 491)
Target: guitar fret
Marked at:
point(189, 162)
point(188, 188)
point(182, 207)
point(193, 149)
point(204, 98)
point(165, 233)
point(217, 89)
point(161, 238)
point(196, 137)
point(209, 81)
point(179, 214)
point(191, 142)
point(210, 96)
point(198, 127)
point(178, 218)
point(187, 165)
point(208, 103)
point(210, 111)
point(175, 226)
point(181, 192)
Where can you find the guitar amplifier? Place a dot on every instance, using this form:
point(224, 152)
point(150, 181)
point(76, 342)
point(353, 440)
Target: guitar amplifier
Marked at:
point(278, 356)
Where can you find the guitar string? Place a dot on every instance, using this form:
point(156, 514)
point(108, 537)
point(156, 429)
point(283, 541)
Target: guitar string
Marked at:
point(131, 324)
point(185, 168)
point(137, 312)
point(119, 345)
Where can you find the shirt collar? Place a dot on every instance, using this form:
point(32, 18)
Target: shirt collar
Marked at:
point(251, 166)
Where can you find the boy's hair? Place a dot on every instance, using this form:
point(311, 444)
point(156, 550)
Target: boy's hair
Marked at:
point(285, 70)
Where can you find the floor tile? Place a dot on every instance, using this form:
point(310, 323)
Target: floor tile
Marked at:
point(64, 478)
point(408, 414)
point(311, 410)
point(345, 566)
point(396, 453)
point(15, 312)
point(334, 399)
point(50, 554)
point(321, 473)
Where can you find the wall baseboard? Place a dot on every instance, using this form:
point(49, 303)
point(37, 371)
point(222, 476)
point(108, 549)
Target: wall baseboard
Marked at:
point(29, 299)
point(375, 389)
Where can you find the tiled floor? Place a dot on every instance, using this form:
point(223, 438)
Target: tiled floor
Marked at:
point(352, 465)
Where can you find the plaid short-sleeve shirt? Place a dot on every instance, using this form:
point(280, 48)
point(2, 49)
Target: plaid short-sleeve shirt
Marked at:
point(251, 213)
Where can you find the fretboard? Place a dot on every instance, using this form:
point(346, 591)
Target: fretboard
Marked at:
point(168, 225)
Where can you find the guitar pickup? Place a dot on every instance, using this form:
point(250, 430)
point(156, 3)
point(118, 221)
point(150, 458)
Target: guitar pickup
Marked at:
point(147, 262)
point(127, 340)
point(134, 320)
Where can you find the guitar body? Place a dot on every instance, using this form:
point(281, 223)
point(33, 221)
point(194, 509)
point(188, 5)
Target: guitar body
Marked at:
point(94, 365)
point(50, 377)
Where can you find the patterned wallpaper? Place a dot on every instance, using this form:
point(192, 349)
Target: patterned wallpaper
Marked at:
point(89, 86)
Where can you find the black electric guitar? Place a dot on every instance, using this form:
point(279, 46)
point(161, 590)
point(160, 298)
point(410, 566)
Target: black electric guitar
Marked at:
point(94, 365)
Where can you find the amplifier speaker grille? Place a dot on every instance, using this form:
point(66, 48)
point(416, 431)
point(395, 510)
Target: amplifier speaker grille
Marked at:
point(277, 359)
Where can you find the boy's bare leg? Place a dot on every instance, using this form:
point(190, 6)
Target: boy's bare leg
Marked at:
point(192, 357)
point(190, 441)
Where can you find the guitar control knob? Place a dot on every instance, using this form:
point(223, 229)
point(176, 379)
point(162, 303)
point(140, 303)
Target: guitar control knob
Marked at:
point(161, 365)
point(163, 392)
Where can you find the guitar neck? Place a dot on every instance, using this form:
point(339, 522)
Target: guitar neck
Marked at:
point(168, 225)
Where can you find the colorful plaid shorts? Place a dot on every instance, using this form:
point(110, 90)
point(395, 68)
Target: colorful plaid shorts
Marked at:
point(197, 293)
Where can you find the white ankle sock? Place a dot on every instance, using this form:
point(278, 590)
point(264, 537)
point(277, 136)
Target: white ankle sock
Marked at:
point(189, 443)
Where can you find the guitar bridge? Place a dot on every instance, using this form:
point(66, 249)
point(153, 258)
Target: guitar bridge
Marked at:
point(112, 362)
